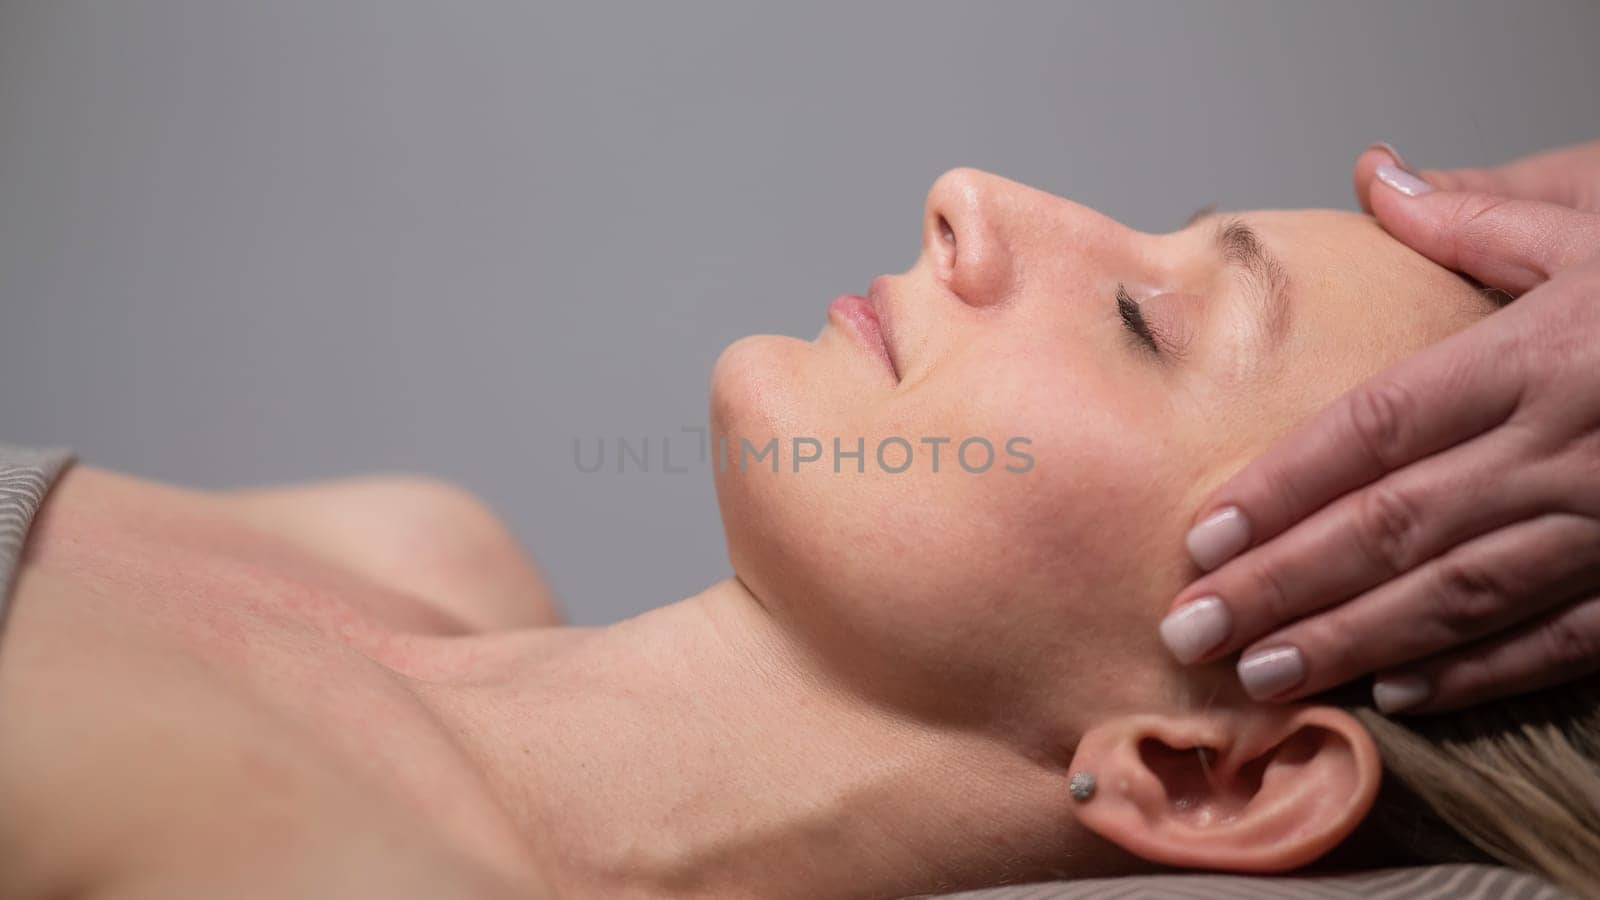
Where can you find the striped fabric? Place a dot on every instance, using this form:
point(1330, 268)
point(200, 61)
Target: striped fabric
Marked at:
point(1445, 882)
point(25, 476)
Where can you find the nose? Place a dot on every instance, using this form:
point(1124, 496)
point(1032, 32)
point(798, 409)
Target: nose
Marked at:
point(964, 235)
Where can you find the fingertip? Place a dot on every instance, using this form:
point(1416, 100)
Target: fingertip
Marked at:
point(1410, 210)
point(1218, 537)
point(1195, 629)
point(1404, 692)
point(1271, 673)
point(1367, 163)
point(1394, 157)
point(1401, 180)
point(1376, 154)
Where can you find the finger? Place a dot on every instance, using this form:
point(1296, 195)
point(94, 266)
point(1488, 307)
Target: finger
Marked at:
point(1406, 412)
point(1502, 182)
point(1483, 181)
point(1361, 540)
point(1569, 176)
point(1513, 245)
point(1365, 172)
point(1559, 647)
point(1477, 589)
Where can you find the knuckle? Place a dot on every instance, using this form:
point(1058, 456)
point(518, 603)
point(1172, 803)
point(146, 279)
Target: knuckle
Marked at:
point(1467, 598)
point(1464, 683)
point(1387, 527)
point(1475, 225)
point(1467, 681)
point(1336, 648)
point(1582, 455)
point(1582, 241)
point(1379, 412)
point(1567, 481)
point(1567, 645)
point(1271, 602)
point(1279, 490)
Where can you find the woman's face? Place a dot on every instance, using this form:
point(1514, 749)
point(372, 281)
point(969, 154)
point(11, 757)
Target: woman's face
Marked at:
point(996, 581)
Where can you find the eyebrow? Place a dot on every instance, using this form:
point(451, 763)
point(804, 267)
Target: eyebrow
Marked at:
point(1266, 280)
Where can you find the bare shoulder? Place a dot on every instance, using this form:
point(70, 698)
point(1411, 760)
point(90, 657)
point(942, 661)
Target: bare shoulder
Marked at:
point(416, 534)
point(188, 708)
point(143, 755)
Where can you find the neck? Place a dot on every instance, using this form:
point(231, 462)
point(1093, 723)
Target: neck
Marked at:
point(697, 750)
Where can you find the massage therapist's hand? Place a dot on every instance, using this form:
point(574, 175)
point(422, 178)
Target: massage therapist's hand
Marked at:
point(1569, 176)
point(1440, 524)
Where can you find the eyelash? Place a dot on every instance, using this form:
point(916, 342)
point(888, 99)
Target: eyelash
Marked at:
point(1133, 318)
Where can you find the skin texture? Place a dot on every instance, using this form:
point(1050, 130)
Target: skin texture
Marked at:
point(1455, 490)
point(889, 697)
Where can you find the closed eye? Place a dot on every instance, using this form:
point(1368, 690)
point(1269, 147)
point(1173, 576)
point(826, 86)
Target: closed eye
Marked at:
point(1133, 318)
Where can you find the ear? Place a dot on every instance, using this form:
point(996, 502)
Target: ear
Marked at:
point(1255, 789)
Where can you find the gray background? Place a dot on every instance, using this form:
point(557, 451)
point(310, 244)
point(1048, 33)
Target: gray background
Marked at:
point(253, 242)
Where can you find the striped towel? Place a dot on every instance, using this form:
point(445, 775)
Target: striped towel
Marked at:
point(25, 477)
point(1441, 882)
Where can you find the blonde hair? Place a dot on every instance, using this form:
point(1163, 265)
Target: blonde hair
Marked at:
point(1514, 781)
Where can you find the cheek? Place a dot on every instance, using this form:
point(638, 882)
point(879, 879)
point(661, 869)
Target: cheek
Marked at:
point(949, 577)
point(1108, 464)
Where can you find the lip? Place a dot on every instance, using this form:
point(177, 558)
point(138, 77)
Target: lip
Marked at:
point(878, 294)
point(861, 317)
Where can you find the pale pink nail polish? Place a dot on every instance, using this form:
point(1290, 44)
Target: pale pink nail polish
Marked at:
point(1394, 154)
point(1403, 181)
point(1195, 628)
point(1399, 692)
point(1267, 673)
point(1218, 537)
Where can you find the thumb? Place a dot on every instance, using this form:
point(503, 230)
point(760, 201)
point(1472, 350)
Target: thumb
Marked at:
point(1508, 180)
point(1569, 176)
point(1509, 244)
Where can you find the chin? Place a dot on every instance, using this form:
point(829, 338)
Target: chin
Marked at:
point(752, 383)
point(756, 385)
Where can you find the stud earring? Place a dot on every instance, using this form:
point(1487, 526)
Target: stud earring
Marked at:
point(1082, 786)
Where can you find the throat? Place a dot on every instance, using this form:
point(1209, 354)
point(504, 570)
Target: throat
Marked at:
point(694, 751)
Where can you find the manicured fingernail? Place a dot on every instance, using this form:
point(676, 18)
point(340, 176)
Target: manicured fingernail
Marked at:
point(1218, 537)
point(1403, 181)
point(1267, 673)
point(1394, 154)
point(1195, 628)
point(1399, 692)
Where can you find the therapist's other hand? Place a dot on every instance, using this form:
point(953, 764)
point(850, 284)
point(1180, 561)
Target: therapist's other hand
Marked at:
point(1438, 525)
point(1568, 176)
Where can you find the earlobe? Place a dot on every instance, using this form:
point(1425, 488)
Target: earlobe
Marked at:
point(1259, 789)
